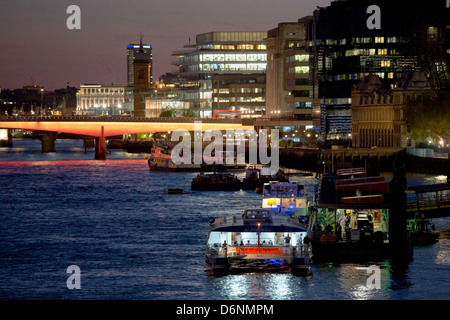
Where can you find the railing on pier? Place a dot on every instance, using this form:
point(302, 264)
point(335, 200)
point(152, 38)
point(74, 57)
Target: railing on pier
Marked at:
point(430, 201)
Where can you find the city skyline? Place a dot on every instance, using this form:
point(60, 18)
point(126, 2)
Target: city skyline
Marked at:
point(39, 49)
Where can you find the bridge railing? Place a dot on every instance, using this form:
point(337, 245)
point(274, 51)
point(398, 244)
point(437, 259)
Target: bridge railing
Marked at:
point(117, 119)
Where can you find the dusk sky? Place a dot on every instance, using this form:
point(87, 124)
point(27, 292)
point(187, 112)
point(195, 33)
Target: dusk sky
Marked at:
point(37, 48)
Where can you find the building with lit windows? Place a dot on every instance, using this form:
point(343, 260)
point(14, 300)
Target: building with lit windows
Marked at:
point(132, 51)
point(379, 112)
point(289, 90)
point(96, 100)
point(227, 56)
point(164, 98)
point(412, 37)
point(246, 93)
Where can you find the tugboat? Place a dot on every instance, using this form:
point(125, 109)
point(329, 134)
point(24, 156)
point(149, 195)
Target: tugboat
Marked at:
point(258, 240)
point(221, 181)
point(420, 233)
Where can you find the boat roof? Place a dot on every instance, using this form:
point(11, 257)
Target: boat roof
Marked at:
point(329, 197)
point(276, 189)
point(257, 219)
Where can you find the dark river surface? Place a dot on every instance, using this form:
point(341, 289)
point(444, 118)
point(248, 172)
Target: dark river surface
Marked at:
point(132, 240)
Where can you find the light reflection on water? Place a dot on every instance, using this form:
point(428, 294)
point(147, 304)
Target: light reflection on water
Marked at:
point(132, 240)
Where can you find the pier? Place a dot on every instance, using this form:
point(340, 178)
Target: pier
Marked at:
point(363, 218)
point(430, 201)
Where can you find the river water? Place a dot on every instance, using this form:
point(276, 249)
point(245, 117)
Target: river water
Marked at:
point(132, 240)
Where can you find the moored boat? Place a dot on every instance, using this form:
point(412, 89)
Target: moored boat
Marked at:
point(258, 240)
point(216, 181)
point(288, 198)
point(420, 233)
point(161, 160)
point(256, 177)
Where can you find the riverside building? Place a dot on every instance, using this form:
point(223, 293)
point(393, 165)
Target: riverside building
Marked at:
point(379, 113)
point(132, 51)
point(289, 86)
point(96, 100)
point(223, 71)
point(411, 37)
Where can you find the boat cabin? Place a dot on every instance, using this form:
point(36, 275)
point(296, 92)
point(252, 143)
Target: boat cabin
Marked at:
point(287, 197)
point(258, 232)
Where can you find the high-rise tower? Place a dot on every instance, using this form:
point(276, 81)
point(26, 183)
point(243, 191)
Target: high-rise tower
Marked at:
point(142, 80)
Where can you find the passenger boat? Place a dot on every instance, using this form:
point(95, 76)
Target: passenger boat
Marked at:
point(216, 181)
point(256, 240)
point(256, 177)
point(161, 160)
point(288, 198)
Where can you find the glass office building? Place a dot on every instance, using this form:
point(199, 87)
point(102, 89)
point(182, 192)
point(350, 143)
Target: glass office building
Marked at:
point(412, 37)
point(226, 56)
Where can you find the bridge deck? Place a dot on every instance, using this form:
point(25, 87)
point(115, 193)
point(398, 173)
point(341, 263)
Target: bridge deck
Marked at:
point(111, 126)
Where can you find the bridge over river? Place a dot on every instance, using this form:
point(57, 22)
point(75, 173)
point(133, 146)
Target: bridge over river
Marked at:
point(103, 127)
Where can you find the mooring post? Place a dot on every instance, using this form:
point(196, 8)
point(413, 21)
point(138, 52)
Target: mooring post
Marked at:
point(398, 235)
point(448, 168)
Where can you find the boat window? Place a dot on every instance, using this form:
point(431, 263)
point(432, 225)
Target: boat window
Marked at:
point(216, 239)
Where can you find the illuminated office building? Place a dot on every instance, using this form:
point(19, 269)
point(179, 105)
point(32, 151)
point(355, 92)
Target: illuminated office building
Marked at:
point(215, 65)
point(412, 37)
point(289, 89)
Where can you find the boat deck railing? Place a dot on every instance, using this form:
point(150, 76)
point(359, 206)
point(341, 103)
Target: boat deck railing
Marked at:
point(235, 220)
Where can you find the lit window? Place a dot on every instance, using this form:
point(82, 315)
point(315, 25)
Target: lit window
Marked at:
point(301, 69)
point(301, 57)
point(379, 39)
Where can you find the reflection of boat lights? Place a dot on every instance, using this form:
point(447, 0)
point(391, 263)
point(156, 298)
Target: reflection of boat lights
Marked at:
point(276, 262)
point(236, 286)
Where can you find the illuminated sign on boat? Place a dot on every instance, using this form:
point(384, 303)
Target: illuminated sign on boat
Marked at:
point(259, 250)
